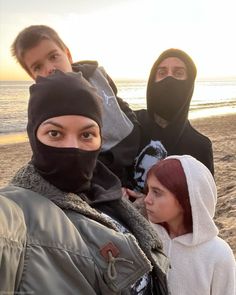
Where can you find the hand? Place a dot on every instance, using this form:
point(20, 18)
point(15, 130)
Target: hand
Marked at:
point(128, 193)
point(137, 199)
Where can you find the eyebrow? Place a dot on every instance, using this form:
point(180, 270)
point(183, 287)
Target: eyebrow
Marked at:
point(180, 68)
point(158, 68)
point(155, 188)
point(50, 122)
point(177, 67)
point(36, 62)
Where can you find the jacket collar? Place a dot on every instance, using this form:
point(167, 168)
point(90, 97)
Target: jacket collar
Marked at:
point(27, 177)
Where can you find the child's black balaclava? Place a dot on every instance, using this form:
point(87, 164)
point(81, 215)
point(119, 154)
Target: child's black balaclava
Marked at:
point(170, 98)
point(69, 169)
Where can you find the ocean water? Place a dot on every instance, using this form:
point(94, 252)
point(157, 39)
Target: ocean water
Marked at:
point(209, 98)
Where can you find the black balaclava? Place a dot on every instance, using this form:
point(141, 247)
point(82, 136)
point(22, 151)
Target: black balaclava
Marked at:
point(170, 98)
point(69, 169)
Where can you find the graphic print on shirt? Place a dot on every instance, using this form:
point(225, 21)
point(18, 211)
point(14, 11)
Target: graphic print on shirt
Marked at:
point(150, 155)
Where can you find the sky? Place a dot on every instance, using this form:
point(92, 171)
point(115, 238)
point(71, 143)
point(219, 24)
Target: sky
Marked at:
point(127, 36)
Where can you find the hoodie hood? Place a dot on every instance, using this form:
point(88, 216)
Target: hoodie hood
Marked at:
point(174, 52)
point(170, 91)
point(203, 199)
point(170, 99)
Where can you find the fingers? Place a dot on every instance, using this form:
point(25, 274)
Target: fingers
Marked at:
point(135, 194)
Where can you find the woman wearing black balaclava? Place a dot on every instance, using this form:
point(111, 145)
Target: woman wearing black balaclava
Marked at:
point(75, 234)
point(169, 92)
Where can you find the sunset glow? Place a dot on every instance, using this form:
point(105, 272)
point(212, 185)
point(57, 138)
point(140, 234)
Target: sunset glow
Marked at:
point(127, 37)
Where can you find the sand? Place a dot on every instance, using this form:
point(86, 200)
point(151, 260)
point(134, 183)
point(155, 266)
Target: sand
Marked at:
point(220, 129)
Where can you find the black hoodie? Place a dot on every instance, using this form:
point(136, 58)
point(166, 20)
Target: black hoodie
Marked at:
point(179, 137)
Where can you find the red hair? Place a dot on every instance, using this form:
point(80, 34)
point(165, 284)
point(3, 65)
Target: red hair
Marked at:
point(171, 175)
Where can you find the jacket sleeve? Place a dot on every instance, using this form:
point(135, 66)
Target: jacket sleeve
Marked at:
point(224, 276)
point(12, 244)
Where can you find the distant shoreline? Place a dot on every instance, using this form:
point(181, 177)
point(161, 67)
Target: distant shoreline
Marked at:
point(11, 138)
point(197, 111)
point(144, 79)
point(21, 137)
point(206, 112)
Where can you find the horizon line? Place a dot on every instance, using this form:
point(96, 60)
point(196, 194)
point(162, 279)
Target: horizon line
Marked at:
point(200, 79)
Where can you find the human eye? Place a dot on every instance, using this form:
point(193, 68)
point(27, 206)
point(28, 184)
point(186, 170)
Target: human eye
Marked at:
point(37, 68)
point(161, 73)
point(88, 135)
point(54, 134)
point(156, 193)
point(54, 56)
point(180, 74)
point(90, 138)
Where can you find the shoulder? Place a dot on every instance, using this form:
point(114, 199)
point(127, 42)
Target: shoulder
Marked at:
point(197, 136)
point(196, 144)
point(87, 67)
point(12, 222)
point(223, 280)
point(142, 113)
point(223, 251)
point(42, 217)
point(218, 253)
point(85, 62)
point(46, 223)
point(27, 199)
point(143, 118)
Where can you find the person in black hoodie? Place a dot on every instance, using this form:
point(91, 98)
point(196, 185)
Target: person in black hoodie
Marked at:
point(165, 122)
point(40, 51)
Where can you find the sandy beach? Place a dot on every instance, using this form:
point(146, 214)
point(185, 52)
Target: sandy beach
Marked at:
point(220, 129)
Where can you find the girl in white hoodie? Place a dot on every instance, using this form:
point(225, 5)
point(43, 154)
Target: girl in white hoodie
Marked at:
point(180, 205)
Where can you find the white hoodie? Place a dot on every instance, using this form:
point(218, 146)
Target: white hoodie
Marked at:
point(201, 262)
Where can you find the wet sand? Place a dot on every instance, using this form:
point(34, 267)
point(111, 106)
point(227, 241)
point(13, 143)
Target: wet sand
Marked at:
point(220, 129)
